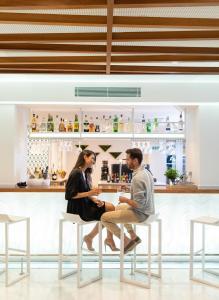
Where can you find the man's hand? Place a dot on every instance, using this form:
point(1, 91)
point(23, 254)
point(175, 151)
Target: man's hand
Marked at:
point(125, 188)
point(123, 200)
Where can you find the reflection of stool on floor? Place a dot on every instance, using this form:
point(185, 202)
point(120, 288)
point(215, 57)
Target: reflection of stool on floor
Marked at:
point(75, 219)
point(147, 223)
point(203, 221)
point(9, 220)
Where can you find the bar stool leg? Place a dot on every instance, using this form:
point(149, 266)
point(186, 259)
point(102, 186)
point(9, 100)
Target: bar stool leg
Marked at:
point(6, 253)
point(203, 247)
point(28, 245)
point(122, 253)
point(149, 256)
point(100, 251)
point(159, 248)
point(191, 249)
point(60, 247)
point(79, 252)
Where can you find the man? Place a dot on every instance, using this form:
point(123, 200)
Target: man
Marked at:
point(138, 207)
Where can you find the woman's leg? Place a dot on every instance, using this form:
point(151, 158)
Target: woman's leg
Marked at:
point(91, 235)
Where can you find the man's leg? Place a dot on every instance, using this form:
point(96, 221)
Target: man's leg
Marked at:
point(110, 219)
point(128, 227)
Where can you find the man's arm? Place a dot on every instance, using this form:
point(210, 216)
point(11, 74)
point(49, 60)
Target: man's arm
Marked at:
point(128, 201)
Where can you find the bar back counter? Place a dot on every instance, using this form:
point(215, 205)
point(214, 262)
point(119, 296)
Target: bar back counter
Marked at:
point(176, 207)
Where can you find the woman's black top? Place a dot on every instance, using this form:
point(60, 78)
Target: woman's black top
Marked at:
point(84, 207)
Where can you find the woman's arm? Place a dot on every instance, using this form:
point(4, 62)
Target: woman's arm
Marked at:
point(93, 192)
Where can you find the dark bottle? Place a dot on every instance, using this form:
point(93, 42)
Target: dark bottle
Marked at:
point(104, 170)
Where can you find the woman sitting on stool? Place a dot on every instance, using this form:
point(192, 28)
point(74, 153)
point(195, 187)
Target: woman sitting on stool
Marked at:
point(81, 200)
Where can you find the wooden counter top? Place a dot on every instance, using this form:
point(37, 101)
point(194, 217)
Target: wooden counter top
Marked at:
point(158, 189)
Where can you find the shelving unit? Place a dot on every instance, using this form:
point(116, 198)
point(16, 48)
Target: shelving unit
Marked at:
point(84, 135)
point(134, 133)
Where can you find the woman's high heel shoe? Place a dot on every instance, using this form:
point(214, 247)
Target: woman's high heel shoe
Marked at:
point(111, 246)
point(88, 242)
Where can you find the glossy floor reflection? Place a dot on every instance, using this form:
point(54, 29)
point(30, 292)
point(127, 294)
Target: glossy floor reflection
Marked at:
point(44, 285)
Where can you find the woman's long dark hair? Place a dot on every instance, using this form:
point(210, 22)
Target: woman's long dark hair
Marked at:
point(81, 162)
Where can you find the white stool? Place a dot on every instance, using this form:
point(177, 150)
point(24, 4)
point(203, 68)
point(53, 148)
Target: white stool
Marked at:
point(9, 220)
point(147, 223)
point(203, 221)
point(80, 223)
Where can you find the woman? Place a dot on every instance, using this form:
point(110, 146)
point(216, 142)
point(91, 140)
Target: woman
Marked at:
point(81, 200)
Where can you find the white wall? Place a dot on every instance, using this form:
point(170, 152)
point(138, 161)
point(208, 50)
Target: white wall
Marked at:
point(155, 88)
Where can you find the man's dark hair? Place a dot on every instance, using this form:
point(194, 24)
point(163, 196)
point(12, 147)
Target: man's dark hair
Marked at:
point(135, 153)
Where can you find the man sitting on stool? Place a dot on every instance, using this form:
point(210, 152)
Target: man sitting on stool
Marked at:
point(139, 207)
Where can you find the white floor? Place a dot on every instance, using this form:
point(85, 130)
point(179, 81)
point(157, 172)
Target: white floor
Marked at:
point(44, 285)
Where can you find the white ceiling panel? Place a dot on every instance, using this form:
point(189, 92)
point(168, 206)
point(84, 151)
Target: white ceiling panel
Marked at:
point(180, 12)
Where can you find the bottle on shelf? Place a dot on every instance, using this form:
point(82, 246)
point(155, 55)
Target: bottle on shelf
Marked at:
point(148, 126)
point(129, 126)
point(97, 125)
point(43, 125)
point(50, 123)
point(86, 124)
point(33, 123)
point(156, 124)
point(115, 124)
point(168, 127)
point(109, 128)
point(56, 127)
point(76, 124)
point(70, 126)
point(121, 124)
point(62, 126)
point(37, 124)
point(180, 123)
point(91, 125)
point(143, 124)
point(104, 125)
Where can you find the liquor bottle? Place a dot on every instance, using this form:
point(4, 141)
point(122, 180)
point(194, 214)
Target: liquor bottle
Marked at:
point(117, 178)
point(129, 125)
point(70, 126)
point(56, 129)
point(97, 125)
point(168, 128)
point(37, 124)
point(86, 124)
point(43, 125)
point(148, 126)
point(50, 124)
point(76, 124)
point(33, 123)
point(156, 124)
point(91, 125)
point(54, 175)
point(103, 125)
point(121, 124)
point(62, 126)
point(109, 124)
point(143, 124)
point(115, 124)
point(180, 123)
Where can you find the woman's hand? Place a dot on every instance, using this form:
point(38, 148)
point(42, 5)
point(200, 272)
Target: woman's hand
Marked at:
point(94, 192)
point(98, 202)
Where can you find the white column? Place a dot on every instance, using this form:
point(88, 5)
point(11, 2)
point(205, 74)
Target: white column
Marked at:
point(202, 145)
point(13, 149)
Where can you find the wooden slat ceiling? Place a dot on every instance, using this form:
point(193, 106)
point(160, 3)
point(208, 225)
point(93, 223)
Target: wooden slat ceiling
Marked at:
point(104, 36)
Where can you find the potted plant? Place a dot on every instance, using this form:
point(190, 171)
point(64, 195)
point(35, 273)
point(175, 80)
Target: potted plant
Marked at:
point(171, 174)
